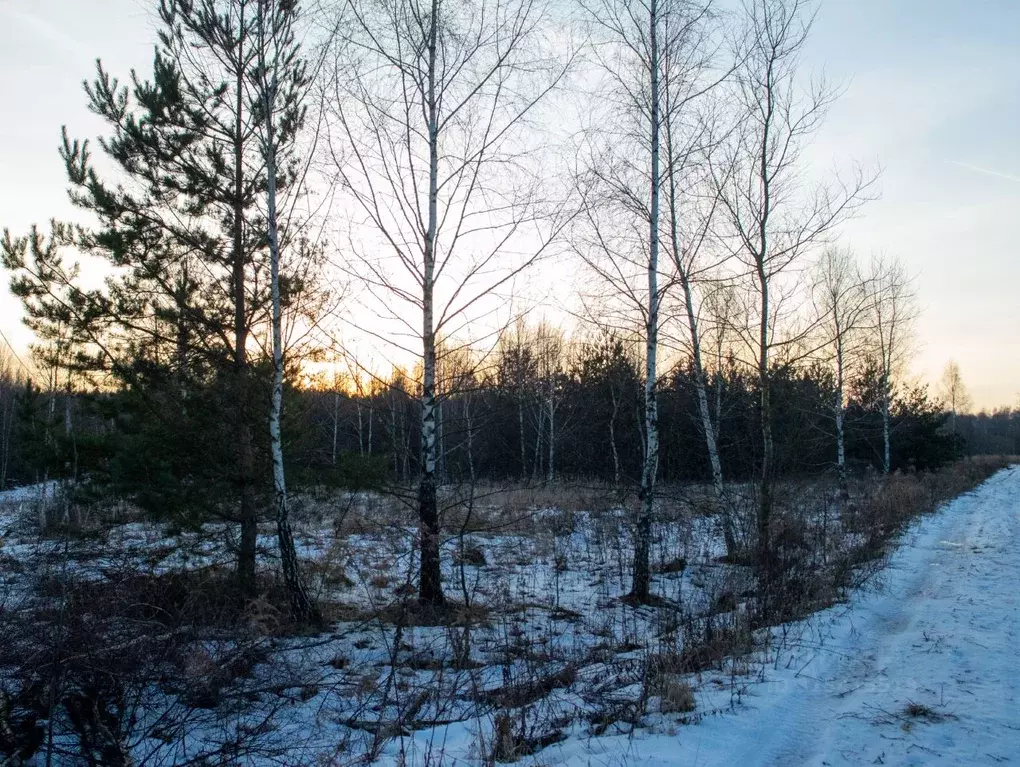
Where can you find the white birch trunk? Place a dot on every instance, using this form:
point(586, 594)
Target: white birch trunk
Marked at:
point(718, 399)
point(765, 405)
point(718, 487)
point(640, 590)
point(708, 429)
point(683, 268)
point(840, 437)
point(440, 441)
point(701, 385)
point(300, 602)
point(551, 468)
point(430, 586)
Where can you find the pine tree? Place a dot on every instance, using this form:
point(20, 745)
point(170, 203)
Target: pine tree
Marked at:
point(182, 219)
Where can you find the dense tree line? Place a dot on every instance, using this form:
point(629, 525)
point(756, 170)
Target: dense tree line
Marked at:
point(494, 426)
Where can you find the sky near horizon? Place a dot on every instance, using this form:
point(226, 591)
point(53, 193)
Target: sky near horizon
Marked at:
point(931, 95)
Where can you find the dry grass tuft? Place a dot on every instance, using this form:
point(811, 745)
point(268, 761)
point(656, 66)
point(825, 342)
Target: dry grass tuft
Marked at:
point(677, 698)
point(410, 612)
point(921, 712)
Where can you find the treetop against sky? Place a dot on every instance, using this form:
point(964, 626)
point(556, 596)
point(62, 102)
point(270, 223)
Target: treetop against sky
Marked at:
point(929, 95)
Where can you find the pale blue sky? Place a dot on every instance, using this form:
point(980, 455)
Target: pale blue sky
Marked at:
point(933, 95)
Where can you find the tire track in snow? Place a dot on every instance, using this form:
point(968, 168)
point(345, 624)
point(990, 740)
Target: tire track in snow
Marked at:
point(942, 636)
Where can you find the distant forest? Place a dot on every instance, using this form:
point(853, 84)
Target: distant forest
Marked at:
point(512, 421)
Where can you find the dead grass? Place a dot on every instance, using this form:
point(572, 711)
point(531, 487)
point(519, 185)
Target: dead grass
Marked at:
point(675, 565)
point(921, 711)
point(823, 546)
point(471, 555)
point(911, 715)
point(409, 612)
point(548, 508)
point(727, 642)
point(206, 598)
point(528, 691)
point(677, 698)
point(886, 506)
point(510, 740)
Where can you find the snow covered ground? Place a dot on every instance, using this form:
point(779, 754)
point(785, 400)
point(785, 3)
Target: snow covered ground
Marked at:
point(921, 667)
point(922, 671)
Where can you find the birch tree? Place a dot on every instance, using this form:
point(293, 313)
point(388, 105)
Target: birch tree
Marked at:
point(772, 216)
point(517, 372)
point(953, 392)
point(550, 352)
point(720, 310)
point(430, 104)
point(624, 259)
point(841, 300)
point(691, 71)
point(653, 55)
point(890, 330)
point(280, 82)
point(687, 239)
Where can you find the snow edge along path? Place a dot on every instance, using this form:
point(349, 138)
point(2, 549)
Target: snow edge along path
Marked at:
point(940, 630)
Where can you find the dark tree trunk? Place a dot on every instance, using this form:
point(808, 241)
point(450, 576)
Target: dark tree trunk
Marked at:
point(246, 555)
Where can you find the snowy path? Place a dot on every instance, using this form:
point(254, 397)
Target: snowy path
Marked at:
point(943, 632)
